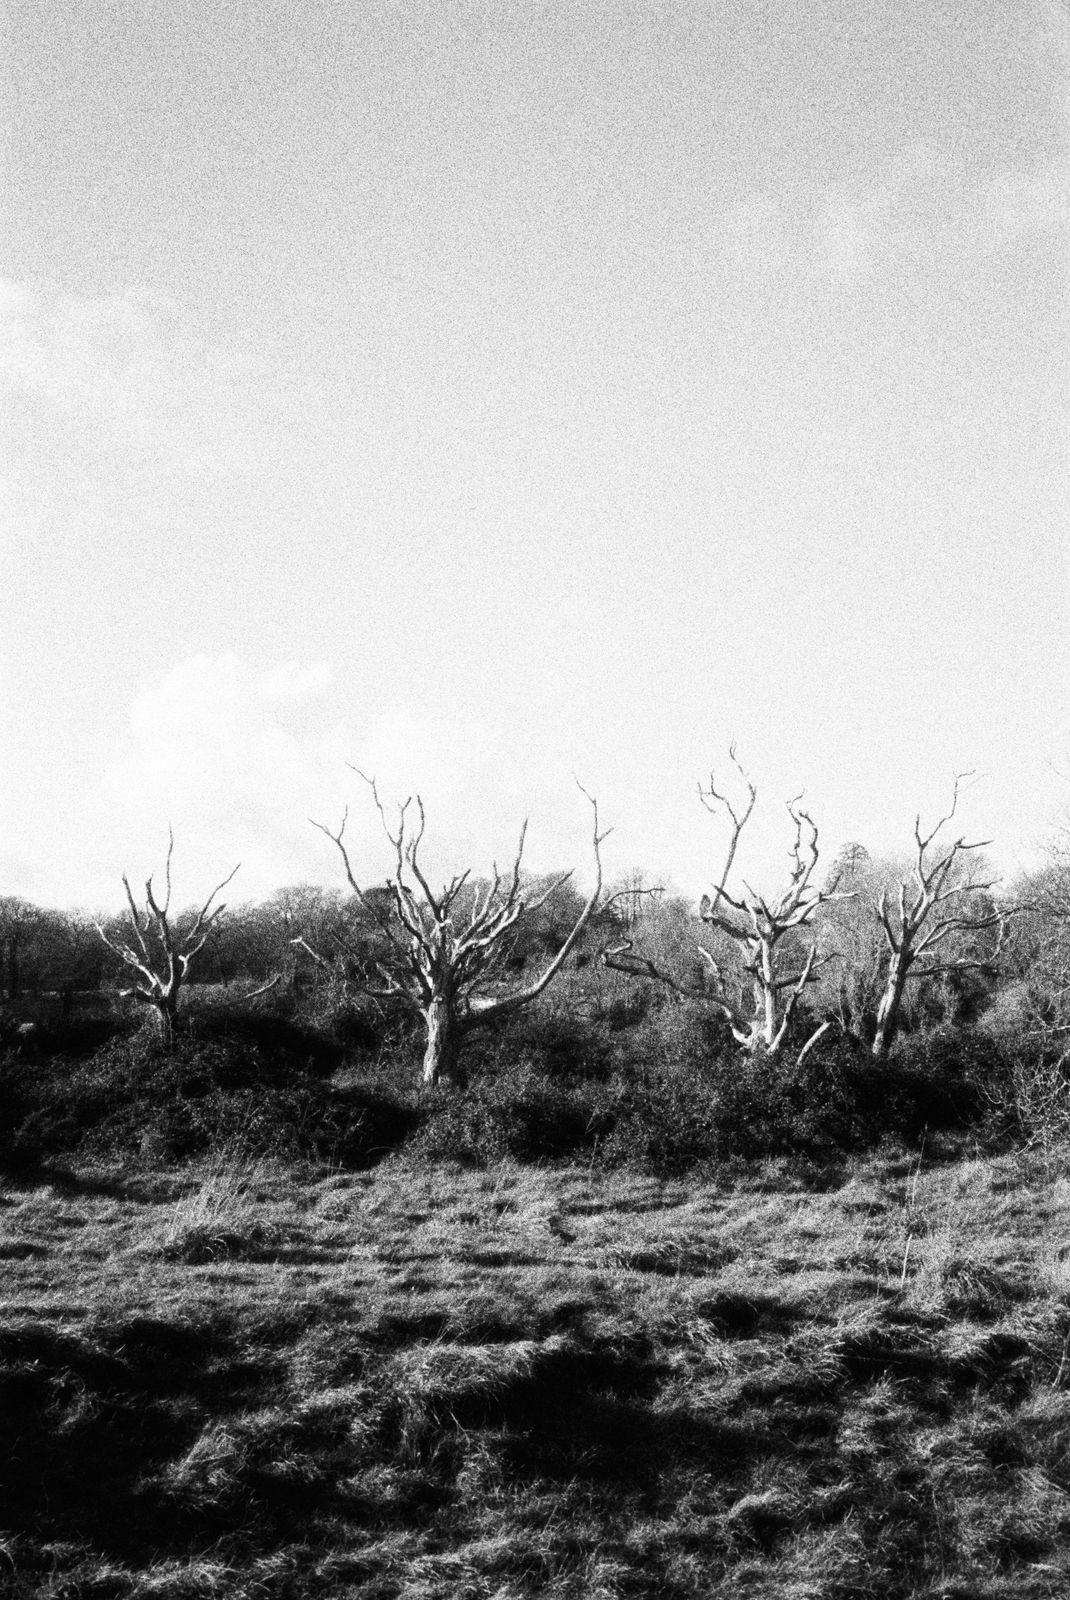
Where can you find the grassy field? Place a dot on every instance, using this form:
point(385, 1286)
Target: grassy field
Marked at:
point(242, 1379)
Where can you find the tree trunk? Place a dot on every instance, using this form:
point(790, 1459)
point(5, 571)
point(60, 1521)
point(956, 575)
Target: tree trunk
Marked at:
point(888, 1010)
point(768, 997)
point(162, 1019)
point(442, 1053)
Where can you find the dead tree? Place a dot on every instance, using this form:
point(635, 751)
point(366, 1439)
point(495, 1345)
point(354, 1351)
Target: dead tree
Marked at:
point(445, 953)
point(158, 954)
point(933, 905)
point(763, 930)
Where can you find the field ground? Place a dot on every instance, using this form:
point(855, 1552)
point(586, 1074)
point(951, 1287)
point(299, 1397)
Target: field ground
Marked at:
point(420, 1381)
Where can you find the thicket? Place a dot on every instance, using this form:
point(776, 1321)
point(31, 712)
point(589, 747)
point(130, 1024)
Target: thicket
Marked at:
point(599, 1074)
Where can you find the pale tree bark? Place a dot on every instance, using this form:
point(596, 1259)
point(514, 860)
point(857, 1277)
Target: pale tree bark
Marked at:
point(932, 906)
point(159, 956)
point(760, 927)
point(445, 951)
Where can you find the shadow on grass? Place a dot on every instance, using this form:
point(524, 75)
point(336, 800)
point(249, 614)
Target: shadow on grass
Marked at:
point(34, 1174)
point(149, 1439)
point(90, 1417)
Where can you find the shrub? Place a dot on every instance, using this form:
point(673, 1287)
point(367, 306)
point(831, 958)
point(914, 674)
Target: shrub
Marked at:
point(684, 1035)
point(664, 1122)
point(519, 1112)
point(944, 1079)
point(543, 1039)
point(777, 1105)
point(1023, 1080)
point(131, 1099)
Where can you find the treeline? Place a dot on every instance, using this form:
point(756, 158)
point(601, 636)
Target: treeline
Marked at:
point(851, 968)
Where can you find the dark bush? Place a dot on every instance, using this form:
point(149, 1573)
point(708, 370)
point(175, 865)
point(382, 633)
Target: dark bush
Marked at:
point(685, 1097)
point(777, 1105)
point(668, 1093)
point(132, 1099)
point(466, 1128)
point(263, 1038)
point(544, 1039)
point(685, 1035)
point(664, 1122)
point(944, 1079)
point(520, 1112)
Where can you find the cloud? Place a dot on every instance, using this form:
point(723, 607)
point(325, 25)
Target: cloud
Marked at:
point(237, 758)
point(1020, 203)
point(924, 197)
point(292, 682)
point(231, 757)
point(125, 370)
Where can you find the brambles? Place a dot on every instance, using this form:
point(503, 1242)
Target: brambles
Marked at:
point(256, 1087)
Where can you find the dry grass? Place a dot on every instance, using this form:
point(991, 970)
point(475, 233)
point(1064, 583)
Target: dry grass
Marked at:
point(245, 1380)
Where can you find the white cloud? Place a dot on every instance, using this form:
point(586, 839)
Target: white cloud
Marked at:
point(130, 370)
point(238, 758)
point(924, 196)
point(294, 682)
point(232, 758)
point(1023, 202)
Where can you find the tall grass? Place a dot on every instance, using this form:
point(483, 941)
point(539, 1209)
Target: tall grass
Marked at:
point(220, 1215)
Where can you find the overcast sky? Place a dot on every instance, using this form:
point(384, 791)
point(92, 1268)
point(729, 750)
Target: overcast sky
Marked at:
point(487, 393)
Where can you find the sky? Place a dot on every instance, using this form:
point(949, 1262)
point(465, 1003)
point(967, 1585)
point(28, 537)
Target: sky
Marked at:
point(492, 396)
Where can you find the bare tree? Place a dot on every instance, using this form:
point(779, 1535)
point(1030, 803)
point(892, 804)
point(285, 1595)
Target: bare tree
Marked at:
point(445, 952)
point(936, 903)
point(764, 932)
point(159, 955)
point(849, 933)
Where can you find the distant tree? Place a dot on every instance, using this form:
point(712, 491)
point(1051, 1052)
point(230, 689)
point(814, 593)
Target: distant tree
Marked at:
point(1036, 962)
point(445, 953)
point(554, 907)
point(938, 923)
point(851, 938)
point(772, 960)
point(20, 921)
point(259, 941)
point(630, 899)
point(160, 954)
point(67, 952)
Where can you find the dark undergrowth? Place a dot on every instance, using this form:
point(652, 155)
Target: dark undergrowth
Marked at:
point(666, 1092)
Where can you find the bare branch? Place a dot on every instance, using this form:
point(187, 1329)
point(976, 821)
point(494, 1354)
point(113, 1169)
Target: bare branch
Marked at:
point(303, 944)
point(484, 1010)
point(938, 910)
point(167, 867)
point(818, 1034)
point(622, 958)
point(163, 972)
point(265, 988)
point(445, 955)
point(739, 822)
